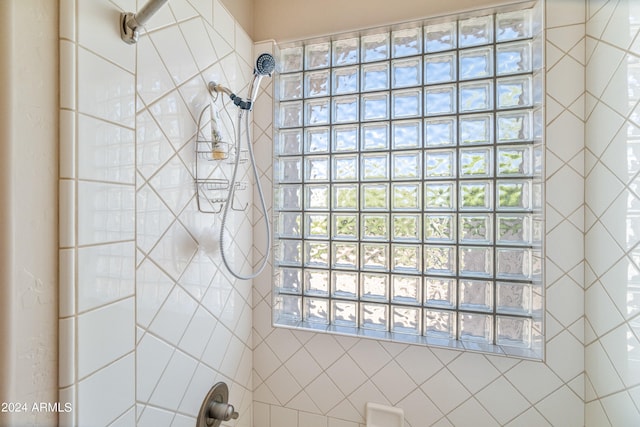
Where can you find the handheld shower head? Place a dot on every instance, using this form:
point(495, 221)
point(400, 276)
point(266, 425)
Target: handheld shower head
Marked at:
point(265, 65)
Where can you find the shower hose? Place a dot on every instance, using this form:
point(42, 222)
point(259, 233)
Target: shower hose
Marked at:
point(232, 189)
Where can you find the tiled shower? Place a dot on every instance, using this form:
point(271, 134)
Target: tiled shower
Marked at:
point(150, 320)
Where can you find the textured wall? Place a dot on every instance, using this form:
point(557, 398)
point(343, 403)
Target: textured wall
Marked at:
point(149, 320)
point(28, 369)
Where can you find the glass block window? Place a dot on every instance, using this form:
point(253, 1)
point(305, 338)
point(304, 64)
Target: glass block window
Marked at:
point(408, 184)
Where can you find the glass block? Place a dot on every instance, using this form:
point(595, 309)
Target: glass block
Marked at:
point(476, 295)
point(291, 114)
point(476, 63)
point(440, 68)
point(316, 140)
point(439, 196)
point(289, 224)
point(475, 31)
point(316, 310)
point(406, 42)
point(514, 92)
point(289, 307)
point(291, 59)
point(316, 84)
point(406, 72)
point(374, 316)
point(515, 161)
point(290, 169)
point(514, 127)
point(406, 165)
point(440, 132)
point(375, 136)
point(440, 324)
point(344, 284)
point(345, 109)
point(513, 263)
point(475, 195)
point(316, 197)
point(475, 327)
point(316, 168)
point(375, 167)
point(440, 228)
point(476, 96)
point(406, 134)
point(345, 80)
point(289, 280)
point(317, 55)
point(514, 195)
point(344, 313)
point(513, 332)
point(345, 226)
point(316, 282)
point(290, 252)
point(316, 226)
point(406, 258)
point(345, 197)
point(375, 197)
point(513, 229)
point(375, 256)
point(375, 77)
point(406, 320)
point(406, 197)
point(375, 47)
point(289, 197)
point(476, 261)
point(513, 25)
point(475, 162)
point(316, 254)
point(375, 106)
point(345, 51)
point(475, 228)
point(440, 260)
point(439, 164)
point(405, 227)
point(476, 129)
point(316, 112)
point(290, 86)
point(345, 255)
point(406, 103)
point(374, 286)
point(513, 58)
point(345, 168)
point(439, 37)
point(345, 138)
point(290, 142)
point(440, 100)
point(440, 292)
point(375, 227)
point(514, 298)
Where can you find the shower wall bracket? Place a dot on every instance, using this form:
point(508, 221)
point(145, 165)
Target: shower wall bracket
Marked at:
point(130, 23)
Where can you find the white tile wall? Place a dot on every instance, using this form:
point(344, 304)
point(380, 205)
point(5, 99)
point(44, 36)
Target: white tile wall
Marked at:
point(443, 387)
point(192, 320)
point(149, 321)
point(611, 301)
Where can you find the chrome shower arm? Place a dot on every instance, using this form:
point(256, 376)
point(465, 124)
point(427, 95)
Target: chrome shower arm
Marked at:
point(131, 22)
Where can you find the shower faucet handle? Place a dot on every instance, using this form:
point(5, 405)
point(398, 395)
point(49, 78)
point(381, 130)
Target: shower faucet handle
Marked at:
point(222, 411)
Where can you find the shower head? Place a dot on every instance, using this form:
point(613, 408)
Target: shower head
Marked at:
point(265, 65)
